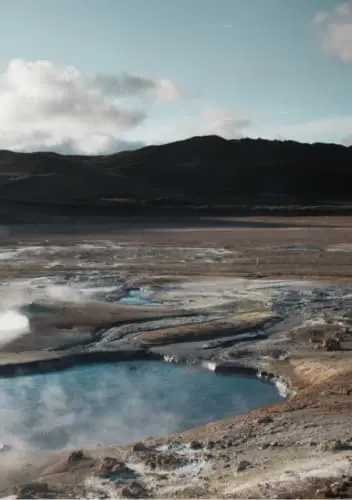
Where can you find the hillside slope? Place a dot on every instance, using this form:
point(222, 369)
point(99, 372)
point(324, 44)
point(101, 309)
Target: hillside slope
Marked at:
point(198, 171)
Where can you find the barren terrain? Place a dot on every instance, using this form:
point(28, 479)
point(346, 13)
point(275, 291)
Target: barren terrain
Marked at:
point(260, 294)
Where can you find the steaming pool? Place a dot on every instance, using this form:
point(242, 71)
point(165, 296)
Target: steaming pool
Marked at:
point(117, 403)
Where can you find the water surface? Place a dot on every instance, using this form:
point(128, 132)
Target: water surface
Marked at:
point(119, 403)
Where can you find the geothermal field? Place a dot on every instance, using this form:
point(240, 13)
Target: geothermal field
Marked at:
point(170, 360)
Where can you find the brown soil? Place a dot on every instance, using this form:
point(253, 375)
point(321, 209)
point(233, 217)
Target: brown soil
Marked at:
point(300, 448)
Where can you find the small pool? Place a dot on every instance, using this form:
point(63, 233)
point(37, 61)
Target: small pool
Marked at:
point(119, 403)
point(138, 297)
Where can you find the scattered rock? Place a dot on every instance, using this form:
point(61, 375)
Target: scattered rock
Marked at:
point(331, 344)
point(195, 445)
point(266, 419)
point(338, 489)
point(75, 456)
point(168, 461)
point(335, 446)
point(309, 426)
point(36, 490)
point(210, 445)
point(141, 447)
point(111, 466)
point(134, 490)
point(77, 459)
point(340, 446)
point(243, 465)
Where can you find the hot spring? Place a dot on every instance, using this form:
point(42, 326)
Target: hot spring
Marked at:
point(108, 403)
point(117, 403)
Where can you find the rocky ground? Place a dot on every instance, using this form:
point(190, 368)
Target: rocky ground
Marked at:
point(260, 294)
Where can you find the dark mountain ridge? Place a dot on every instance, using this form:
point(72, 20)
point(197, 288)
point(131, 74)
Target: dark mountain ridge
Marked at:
point(199, 171)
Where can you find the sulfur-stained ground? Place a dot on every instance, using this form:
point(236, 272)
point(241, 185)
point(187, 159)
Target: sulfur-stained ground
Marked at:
point(214, 279)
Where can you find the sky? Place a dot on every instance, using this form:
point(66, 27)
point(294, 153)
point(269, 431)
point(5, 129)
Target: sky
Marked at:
point(98, 76)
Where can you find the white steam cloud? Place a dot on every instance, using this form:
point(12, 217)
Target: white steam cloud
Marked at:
point(81, 409)
point(13, 325)
point(112, 404)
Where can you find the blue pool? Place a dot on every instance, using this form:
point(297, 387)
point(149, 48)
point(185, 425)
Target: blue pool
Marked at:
point(137, 297)
point(119, 402)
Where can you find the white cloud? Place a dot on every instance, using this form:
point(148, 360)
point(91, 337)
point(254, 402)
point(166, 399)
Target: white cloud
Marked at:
point(227, 123)
point(336, 31)
point(313, 131)
point(338, 41)
point(43, 106)
point(241, 122)
point(344, 9)
point(320, 17)
point(46, 107)
point(131, 85)
point(166, 90)
point(347, 140)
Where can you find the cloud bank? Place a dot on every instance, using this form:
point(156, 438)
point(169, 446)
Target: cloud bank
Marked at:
point(48, 107)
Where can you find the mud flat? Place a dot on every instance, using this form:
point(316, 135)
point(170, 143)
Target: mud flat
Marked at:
point(273, 296)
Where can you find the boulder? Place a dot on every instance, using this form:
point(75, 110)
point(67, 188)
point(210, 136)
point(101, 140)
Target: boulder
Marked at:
point(141, 448)
point(331, 344)
point(266, 419)
point(195, 445)
point(36, 490)
point(75, 456)
point(110, 466)
point(243, 465)
point(134, 490)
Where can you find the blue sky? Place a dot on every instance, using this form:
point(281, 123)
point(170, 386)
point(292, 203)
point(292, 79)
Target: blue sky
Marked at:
point(268, 68)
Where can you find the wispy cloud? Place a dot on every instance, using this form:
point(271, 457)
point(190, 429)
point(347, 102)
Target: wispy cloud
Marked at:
point(132, 85)
point(347, 140)
point(229, 123)
point(310, 131)
point(237, 123)
point(320, 17)
point(335, 31)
